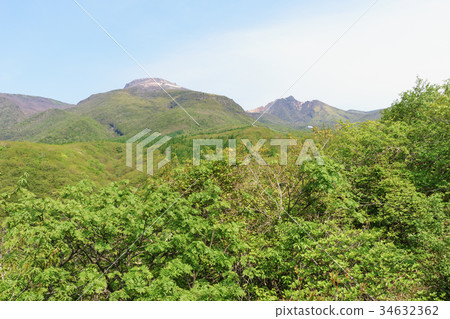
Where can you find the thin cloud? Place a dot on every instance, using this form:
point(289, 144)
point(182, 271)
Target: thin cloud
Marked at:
point(366, 70)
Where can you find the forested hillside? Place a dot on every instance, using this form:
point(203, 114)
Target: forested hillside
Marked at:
point(50, 167)
point(372, 223)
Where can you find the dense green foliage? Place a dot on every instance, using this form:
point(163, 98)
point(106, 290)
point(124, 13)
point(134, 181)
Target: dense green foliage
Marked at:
point(370, 224)
point(51, 167)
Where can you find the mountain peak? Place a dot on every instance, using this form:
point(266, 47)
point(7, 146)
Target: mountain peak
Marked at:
point(291, 99)
point(290, 111)
point(153, 84)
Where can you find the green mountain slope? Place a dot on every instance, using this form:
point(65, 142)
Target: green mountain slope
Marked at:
point(15, 109)
point(141, 106)
point(58, 126)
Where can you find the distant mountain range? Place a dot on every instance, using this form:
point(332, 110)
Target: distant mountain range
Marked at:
point(122, 113)
point(144, 103)
point(290, 112)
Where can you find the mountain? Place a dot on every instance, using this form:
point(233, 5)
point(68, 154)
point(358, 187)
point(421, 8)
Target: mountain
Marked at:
point(295, 114)
point(15, 108)
point(30, 105)
point(142, 103)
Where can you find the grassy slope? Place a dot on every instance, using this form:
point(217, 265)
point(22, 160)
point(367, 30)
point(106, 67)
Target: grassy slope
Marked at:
point(50, 167)
point(58, 126)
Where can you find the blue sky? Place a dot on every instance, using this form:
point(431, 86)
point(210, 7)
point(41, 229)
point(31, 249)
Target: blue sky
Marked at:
point(251, 51)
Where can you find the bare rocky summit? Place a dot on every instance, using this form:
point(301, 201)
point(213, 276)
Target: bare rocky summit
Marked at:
point(153, 84)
